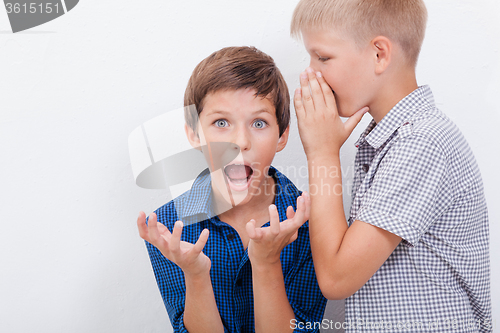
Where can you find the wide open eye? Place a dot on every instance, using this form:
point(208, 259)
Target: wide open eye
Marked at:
point(259, 123)
point(221, 123)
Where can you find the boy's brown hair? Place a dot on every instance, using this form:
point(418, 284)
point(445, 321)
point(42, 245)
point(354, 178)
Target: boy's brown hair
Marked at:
point(234, 68)
point(402, 21)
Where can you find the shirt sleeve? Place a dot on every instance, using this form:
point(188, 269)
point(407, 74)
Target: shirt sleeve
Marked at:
point(408, 192)
point(170, 280)
point(304, 294)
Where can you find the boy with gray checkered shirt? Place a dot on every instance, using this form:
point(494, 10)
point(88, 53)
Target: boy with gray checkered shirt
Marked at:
point(415, 256)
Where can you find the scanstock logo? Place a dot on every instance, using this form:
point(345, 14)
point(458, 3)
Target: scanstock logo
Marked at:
point(25, 15)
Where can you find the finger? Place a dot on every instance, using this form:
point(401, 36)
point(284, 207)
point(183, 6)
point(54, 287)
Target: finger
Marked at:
point(327, 92)
point(290, 213)
point(141, 225)
point(175, 240)
point(274, 220)
point(154, 236)
point(297, 102)
point(316, 90)
point(153, 229)
point(163, 230)
point(200, 243)
point(354, 120)
point(251, 229)
point(307, 99)
point(299, 217)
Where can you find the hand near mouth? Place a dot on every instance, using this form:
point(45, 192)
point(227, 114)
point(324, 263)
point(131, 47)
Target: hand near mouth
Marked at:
point(318, 118)
point(189, 257)
point(266, 244)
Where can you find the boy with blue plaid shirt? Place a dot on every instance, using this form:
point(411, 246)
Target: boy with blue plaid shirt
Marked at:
point(232, 266)
point(413, 255)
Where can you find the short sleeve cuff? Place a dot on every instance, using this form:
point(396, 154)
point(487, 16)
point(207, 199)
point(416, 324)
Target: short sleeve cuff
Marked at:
point(384, 221)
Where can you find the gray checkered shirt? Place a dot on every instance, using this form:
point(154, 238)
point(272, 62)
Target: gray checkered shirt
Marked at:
point(416, 177)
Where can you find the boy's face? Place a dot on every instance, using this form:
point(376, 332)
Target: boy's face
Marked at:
point(248, 122)
point(347, 68)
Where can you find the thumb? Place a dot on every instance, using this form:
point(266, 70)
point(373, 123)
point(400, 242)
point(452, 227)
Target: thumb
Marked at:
point(250, 226)
point(354, 120)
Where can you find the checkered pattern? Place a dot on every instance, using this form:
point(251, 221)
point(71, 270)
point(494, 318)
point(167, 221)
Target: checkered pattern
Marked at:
point(231, 272)
point(416, 177)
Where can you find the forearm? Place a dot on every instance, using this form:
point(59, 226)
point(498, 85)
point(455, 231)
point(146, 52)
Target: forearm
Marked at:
point(344, 258)
point(327, 223)
point(200, 310)
point(272, 309)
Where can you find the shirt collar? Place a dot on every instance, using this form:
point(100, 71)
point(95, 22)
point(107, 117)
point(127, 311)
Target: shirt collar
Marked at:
point(377, 134)
point(195, 205)
point(197, 201)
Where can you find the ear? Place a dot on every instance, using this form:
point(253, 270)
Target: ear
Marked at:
point(283, 140)
point(193, 137)
point(383, 48)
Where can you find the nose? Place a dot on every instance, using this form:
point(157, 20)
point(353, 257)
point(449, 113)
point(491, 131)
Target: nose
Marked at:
point(311, 64)
point(242, 139)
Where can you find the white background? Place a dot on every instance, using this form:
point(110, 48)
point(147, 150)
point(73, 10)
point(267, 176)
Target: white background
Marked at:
point(73, 89)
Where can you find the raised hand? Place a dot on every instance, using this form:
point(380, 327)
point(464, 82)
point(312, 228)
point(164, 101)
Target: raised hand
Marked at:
point(267, 243)
point(320, 127)
point(189, 257)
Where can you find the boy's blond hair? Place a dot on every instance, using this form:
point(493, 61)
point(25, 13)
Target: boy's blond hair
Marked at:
point(402, 21)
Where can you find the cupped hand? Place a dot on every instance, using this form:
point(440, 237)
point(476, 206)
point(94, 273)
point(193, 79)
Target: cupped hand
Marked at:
point(189, 257)
point(321, 129)
point(266, 243)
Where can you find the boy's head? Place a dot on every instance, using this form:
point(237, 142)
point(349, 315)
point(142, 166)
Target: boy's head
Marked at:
point(402, 21)
point(237, 110)
point(366, 50)
point(235, 68)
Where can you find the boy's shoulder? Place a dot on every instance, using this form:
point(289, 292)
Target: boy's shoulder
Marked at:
point(433, 127)
point(416, 118)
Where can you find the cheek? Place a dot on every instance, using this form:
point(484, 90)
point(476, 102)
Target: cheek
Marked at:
point(330, 78)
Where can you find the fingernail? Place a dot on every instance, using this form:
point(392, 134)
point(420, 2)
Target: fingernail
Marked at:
point(318, 74)
point(273, 207)
point(306, 194)
point(303, 75)
point(301, 200)
point(178, 224)
point(204, 232)
point(309, 69)
point(298, 91)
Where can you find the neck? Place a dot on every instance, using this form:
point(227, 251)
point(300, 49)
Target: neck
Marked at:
point(391, 93)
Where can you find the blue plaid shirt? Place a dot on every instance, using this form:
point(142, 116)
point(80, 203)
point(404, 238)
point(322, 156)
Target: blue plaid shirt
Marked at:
point(231, 271)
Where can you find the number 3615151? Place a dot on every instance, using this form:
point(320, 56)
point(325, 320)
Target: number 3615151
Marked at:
point(32, 8)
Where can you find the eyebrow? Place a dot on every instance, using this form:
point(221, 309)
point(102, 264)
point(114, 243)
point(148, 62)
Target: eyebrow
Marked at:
point(229, 112)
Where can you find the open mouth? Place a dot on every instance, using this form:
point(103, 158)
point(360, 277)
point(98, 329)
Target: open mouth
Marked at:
point(238, 174)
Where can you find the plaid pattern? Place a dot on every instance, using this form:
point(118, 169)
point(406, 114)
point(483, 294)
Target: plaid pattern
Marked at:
point(231, 272)
point(416, 177)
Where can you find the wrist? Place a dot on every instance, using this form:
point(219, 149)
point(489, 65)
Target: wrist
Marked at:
point(322, 160)
point(197, 277)
point(265, 265)
point(323, 154)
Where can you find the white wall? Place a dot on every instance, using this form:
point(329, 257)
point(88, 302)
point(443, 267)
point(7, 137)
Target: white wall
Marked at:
point(73, 89)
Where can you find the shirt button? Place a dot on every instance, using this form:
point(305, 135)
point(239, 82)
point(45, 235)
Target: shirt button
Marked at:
point(366, 167)
point(230, 237)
